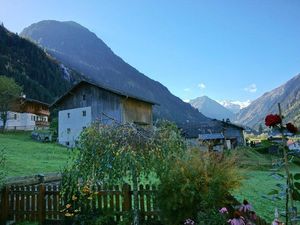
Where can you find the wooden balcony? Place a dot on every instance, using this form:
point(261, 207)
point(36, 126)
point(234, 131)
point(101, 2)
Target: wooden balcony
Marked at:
point(42, 123)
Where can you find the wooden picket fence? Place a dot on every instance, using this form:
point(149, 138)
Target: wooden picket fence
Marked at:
point(43, 203)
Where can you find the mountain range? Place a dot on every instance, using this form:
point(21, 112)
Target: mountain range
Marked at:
point(288, 95)
point(59, 54)
point(253, 114)
point(212, 109)
point(80, 49)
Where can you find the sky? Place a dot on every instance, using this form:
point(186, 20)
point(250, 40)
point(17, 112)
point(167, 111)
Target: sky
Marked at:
point(225, 49)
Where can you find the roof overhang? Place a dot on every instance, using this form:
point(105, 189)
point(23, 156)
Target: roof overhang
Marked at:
point(117, 92)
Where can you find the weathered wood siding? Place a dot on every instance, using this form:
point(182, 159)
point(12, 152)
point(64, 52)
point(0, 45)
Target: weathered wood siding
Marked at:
point(135, 111)
point(234, 133)
point(30, 107)
point(100, 100)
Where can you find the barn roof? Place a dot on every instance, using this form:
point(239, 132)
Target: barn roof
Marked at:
point(115, 91)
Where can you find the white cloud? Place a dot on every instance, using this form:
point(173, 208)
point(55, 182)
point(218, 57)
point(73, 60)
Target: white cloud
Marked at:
point(251, 88)
point(187, 89)
point(201, 85)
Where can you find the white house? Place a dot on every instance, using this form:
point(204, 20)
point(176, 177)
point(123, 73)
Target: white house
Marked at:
point(19, 121)
point(294, 145)
point(27, 114)
point(71, 123)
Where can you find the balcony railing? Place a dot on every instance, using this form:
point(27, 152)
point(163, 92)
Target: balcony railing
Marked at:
point(42, 123)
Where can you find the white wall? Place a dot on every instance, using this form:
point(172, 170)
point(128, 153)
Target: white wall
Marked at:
point(294, 146)
point(69, 128)
point(19, 121)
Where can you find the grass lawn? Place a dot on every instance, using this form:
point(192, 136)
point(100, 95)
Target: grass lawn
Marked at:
point(27, 157)
point(258, 182)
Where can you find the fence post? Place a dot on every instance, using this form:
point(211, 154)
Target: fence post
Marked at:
point(4, 207)
point(41, 204)
point(126, 198)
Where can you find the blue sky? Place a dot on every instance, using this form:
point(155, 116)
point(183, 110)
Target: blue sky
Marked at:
point(225, 49)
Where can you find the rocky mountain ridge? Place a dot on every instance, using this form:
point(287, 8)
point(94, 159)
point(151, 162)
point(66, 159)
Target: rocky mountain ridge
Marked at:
point(80, 49)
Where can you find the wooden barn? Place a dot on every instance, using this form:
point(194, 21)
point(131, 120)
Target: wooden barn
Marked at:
point(87, 102)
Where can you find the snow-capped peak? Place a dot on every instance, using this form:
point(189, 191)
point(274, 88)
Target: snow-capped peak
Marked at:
point(234, 106)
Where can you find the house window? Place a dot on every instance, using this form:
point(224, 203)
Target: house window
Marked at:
point(15, 116)
point(68, 115)
point(68, 130)
point(83, 97)
point(67, 143)
point(83, 113)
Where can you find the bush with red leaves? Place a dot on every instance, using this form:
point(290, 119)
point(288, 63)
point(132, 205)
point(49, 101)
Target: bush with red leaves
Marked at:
point(272, 120)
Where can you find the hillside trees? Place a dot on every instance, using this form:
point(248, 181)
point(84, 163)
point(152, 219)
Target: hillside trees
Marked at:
point(9, 93)
point(41, 76)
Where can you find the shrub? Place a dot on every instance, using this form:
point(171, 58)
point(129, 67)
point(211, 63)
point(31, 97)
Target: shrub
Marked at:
point(264, 146)
point(195, 183)
point(120, 153)
point(54, 128)
point(211, 217)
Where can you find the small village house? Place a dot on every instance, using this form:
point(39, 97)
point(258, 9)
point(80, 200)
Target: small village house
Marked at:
point(87, 102)
point(27, 114)
point(233, 133)
point(221, 133)
point(212, 142)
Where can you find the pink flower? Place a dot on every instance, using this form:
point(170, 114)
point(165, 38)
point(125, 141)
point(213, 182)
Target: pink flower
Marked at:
point(223, 210)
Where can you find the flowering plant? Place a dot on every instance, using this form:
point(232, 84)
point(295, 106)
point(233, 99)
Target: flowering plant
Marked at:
point(223, 210)
point(291, 191)
point(291, 128)
point(70, 211)
point(272, 120)
point(189, 222)
point(78, 207)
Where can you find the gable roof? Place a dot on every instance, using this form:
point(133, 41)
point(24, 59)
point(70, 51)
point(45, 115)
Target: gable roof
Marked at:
point(117, 92)
point(24, 99)
point(192, 130)
point(230, 124)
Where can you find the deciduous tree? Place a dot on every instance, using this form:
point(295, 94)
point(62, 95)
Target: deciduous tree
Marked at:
point(121, 152)
point(9, 92)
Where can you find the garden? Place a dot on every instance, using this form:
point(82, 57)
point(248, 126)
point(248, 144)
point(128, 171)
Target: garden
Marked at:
point(187, 185)
point(191, 185)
